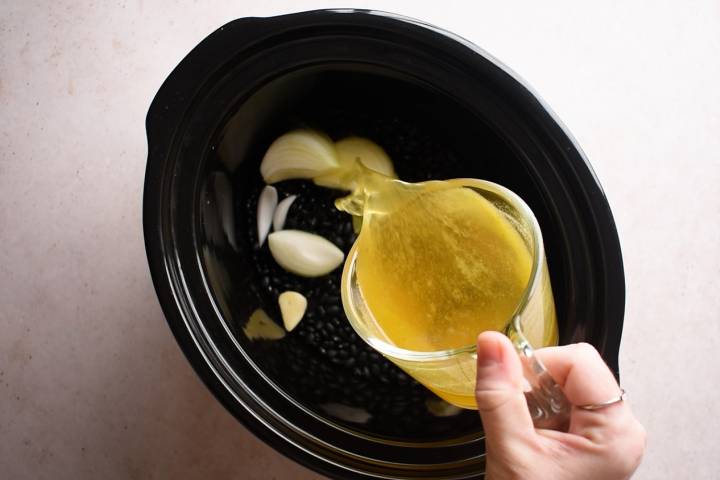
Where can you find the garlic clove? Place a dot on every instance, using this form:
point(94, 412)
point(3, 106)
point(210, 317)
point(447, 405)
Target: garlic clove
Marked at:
point(266, 208)
point(299, 154)
point(440, 408)
point(303, 253)
point(292, 308)
point(281, 212)
point(368, 152)
point(261, 327)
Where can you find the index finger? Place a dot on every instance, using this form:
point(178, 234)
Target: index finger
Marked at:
point(586, 379)
point(581, 373)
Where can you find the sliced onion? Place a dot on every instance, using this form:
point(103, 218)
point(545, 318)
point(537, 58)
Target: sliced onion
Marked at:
point(299, 154)
point(266, 208)
point(303, 253)
point(281, 212)
point(350, 151)
point(369, 153)
point(223, 196)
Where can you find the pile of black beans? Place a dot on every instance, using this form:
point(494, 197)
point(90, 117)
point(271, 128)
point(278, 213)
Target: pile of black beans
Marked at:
point(323, 360)
point(324, 328)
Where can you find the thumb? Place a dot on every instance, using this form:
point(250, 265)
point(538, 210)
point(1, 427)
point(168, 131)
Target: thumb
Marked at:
point(499, 389)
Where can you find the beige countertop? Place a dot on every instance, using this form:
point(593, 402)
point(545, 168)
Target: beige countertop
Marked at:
point(92, 383)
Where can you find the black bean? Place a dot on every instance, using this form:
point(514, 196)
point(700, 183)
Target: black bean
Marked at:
point(331, 300)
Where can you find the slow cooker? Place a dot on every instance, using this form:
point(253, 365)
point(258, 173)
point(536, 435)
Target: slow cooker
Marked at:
point(442, 108)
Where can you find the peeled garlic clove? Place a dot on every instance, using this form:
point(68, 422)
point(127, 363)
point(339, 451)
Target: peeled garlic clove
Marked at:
point(266, 208)
point(304, 253)
point(281, 212)
point(261, 327)
point(292, 308)
point(441, 408)
point(368, 152)
point(299, 154)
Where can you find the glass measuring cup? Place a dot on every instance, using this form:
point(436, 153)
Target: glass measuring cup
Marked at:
point(451, 373)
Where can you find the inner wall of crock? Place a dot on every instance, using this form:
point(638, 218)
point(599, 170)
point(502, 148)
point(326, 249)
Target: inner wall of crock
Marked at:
point(428, 135)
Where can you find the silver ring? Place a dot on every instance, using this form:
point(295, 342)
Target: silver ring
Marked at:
point(612, 401)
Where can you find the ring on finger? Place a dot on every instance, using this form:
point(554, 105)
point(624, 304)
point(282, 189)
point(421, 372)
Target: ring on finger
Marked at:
point(607, 403)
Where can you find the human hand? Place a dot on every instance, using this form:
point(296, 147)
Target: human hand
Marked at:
point(603, 444)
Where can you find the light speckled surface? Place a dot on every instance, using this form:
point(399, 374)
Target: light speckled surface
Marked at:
point(92, 384)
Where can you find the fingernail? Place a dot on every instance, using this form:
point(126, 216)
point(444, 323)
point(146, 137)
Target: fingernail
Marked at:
point(489, 351)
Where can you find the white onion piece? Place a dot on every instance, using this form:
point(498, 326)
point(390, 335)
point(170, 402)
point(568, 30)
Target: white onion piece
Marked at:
point(292, 308)
point(350, 151)
point(281, 212)
point(303, 253)
point(299, 154)
point(266, 208)
point(223, 196)
point(369, 153)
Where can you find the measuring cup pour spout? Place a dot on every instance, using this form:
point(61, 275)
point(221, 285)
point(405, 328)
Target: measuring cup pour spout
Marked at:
point(363, 183)
point(375, 193)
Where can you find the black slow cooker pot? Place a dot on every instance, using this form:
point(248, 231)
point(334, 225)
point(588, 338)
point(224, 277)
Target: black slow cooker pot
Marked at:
point(442, 108)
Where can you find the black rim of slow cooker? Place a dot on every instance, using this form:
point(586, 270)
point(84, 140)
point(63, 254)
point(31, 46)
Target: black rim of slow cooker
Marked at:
point(173, 124)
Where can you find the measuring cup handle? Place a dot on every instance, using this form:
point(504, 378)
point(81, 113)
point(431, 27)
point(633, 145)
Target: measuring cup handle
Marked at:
point(548, 405)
